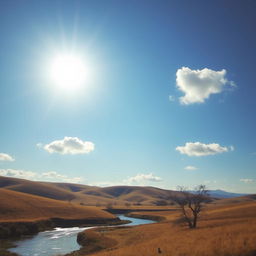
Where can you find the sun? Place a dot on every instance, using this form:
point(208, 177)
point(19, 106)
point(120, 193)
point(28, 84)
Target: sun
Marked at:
point(68, 72)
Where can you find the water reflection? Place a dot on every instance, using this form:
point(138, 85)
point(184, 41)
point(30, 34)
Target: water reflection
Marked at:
point(58, 241)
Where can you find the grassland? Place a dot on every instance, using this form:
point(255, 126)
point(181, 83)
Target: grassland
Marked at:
point(17, 206)
point(90, 195)
point(26, 214)
point(225, 229)
point(23, 214)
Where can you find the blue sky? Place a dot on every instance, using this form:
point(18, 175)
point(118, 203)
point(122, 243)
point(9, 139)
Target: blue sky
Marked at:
point(169, 99)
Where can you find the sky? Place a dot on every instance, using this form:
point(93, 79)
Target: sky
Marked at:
point(151, 93)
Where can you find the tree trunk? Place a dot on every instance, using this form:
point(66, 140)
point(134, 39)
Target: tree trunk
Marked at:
point(194, 221)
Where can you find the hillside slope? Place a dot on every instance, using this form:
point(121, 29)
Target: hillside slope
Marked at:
point(226, 229)
point(17, 206)
point(90, 195)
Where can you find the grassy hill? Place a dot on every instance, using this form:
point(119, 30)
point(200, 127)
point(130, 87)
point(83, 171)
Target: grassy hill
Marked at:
point(43, 189)
point(90, 195)
point(18, 206)
point(226, 229)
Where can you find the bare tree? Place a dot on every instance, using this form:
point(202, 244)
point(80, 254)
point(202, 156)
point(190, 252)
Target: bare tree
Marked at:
point(191, 204)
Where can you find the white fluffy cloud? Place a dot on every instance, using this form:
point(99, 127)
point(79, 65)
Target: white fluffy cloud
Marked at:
point(247, 180)
point(190, 168)
point(144, 177)
point(198, 85)
point(70, 145)
point(6, 157)
point(46, 176)
point(201, 149)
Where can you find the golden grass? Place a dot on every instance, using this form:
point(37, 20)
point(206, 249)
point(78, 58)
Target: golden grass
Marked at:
point(225, 231)
point(17, 206)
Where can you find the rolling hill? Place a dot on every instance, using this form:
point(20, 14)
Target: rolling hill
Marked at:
point(90, 195)
point(18, 206)
point(99, 196)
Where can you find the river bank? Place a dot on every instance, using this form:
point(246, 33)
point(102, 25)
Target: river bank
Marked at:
point(65, 240)
point(16, 230)
point(12, 232)
point(225, 229)
point(98, 239)
point(5, 245)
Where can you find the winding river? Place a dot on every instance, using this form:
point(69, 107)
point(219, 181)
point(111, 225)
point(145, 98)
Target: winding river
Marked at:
point(59, 241)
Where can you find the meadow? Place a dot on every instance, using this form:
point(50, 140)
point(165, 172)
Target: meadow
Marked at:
point(225, 229)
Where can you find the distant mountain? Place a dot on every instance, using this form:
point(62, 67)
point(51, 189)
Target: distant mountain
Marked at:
point(224, 194)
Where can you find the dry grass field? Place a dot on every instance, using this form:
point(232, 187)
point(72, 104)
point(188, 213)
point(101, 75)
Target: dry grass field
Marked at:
point(224, 230)
point(17, 206)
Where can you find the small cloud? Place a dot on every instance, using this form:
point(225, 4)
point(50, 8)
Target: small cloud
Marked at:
point(190, 168)
point(139, 180)
point(6, 157)
point(18, 174)
point(201, 149)
point(247, 180)
point(39, 145)
point(171, 98)
point(198, 85)
point(46, 176)
point(70, 145)
point(142, 178)
point(60, 177)
point(232, 148)
point(232, 83)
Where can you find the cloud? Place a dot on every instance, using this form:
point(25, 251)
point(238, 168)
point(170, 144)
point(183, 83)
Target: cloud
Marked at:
point(6, 157)
point(232, 148)
point(201, 149)
point(57, 176)
point(171, 98)
point(247, 180)
point(190, 168)
point(46, 176)
point(70, 145)
point(18, 174)
point(198, 85)
point(39, 145)
point(140, 178)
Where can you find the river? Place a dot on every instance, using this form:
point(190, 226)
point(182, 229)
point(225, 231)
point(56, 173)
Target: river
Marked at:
point(59, 240)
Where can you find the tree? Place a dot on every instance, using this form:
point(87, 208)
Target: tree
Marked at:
point(191, 204)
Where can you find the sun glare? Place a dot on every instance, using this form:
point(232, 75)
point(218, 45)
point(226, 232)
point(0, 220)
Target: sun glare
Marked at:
point(68, 72)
